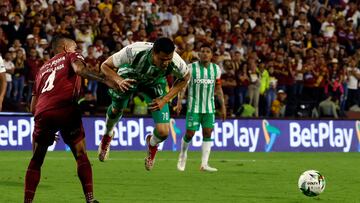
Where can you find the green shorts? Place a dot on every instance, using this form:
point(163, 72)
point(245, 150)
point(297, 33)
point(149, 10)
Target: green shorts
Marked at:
point(193, 120)
point(120, 100)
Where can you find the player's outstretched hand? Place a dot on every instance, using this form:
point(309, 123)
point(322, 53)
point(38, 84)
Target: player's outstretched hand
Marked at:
point(125, 84)
point(156, 104)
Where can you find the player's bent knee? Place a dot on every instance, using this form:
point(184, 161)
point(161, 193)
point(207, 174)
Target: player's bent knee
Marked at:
point(163, 132)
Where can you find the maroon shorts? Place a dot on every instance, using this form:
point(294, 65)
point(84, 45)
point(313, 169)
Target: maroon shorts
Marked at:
point(67, 120)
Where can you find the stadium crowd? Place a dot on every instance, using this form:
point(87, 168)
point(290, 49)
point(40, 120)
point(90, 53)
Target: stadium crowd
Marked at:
point(278, 57)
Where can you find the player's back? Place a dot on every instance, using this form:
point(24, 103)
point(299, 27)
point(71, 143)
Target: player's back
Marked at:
point(57, 84)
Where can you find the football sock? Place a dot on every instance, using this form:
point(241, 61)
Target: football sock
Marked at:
point(85, 175)
point(156, 138)
point(111, 120)
point(205, 148)
point(32, 180)
point(185, 144)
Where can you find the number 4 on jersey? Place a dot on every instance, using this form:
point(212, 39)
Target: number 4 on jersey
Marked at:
point(49, 84)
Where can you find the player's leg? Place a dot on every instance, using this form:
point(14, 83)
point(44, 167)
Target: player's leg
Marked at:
point(43, 136)
point(207, 123)
point(192, 125)
point(160, 133)
point(74, 136)
point(113, 115)
point(32, 177)
point(84, 170)
point(161, 119)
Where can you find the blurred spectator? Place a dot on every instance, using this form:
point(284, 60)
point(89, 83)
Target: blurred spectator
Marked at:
point(353, 73)
point(32, 66)
point(87, 104)
point(43, 45)
point(264, 88)
point(16, 30)
point(105, 4)
point(278, 106)
point(254, 85)
point(129, 39)
point(3, 42)
point(10, 68)
point(84, 35)
point(229, 84)
point(271, 93)
point(328, 108)
point(242, 83)
point(176, 20)
point(189, 55)
point(140, 105)
point(246, 110)
point(18, 78)
point(79, 4)
point(92, 63)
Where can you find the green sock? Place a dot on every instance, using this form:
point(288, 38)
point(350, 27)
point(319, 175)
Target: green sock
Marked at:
point(111, 120)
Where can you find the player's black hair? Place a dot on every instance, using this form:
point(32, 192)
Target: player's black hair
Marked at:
point(164, 44)
point(207, 45)
point(57, 41)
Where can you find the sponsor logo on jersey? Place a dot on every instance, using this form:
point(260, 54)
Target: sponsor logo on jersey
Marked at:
point(204, 81)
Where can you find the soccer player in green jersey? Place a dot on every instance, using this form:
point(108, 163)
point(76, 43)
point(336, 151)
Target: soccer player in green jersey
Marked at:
point(147, 65)
point(204, 82)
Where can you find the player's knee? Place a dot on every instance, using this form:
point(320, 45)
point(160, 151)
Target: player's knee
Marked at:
point(163, 132)
point(207, 133)
point(36, 162)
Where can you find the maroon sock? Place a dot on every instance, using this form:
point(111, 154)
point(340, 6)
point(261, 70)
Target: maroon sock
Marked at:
point(32, 180)
point(85, 175)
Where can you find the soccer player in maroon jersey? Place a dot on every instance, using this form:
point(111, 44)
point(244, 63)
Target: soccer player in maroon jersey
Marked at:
point(56, 89)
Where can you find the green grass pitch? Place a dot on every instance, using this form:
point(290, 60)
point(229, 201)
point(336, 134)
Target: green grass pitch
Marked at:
point(242, 177)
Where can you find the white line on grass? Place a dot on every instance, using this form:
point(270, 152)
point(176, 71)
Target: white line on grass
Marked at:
point(130, 159)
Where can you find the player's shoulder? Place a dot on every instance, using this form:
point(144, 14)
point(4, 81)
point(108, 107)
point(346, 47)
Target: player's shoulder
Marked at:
point(216, 66)
point(137, 47)
point(178, 61)
point(72, 56)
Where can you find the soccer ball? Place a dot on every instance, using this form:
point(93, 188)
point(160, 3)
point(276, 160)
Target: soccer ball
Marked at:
point(311, 183)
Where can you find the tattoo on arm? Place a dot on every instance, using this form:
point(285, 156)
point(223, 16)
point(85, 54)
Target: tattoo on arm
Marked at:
point(86, 73)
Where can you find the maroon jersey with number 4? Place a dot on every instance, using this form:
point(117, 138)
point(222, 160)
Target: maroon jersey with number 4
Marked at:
point(57, 85)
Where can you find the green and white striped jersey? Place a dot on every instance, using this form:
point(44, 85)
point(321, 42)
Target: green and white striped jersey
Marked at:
point(201, 87)
point(134, 61)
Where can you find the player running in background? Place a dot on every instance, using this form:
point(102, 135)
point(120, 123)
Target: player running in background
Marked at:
point(148, 64)
point(54, 105)
point(204, 81)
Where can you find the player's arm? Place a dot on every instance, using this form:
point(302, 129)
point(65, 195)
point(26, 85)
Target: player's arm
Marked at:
point(220, 94)
point(181, 95)
point(179, 84)
point(112, 63)
point(85, 72)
